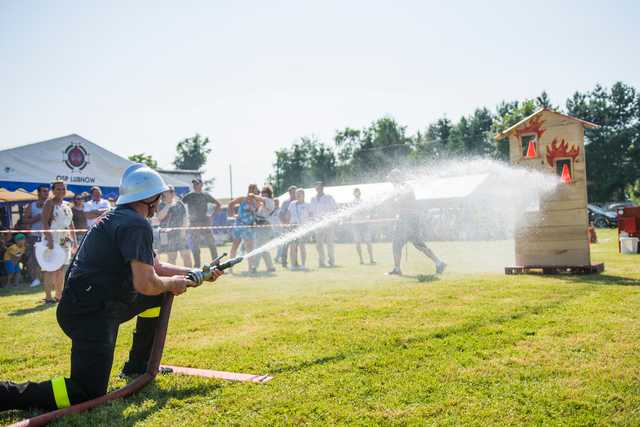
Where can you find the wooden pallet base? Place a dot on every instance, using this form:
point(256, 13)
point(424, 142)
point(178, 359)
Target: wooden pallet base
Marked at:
point(555, 269)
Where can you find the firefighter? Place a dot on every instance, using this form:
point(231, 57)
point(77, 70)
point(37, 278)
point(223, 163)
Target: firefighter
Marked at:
point(407, 228)
point(114, 277)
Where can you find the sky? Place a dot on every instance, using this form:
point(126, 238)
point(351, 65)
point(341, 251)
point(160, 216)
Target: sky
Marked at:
point(254, 76)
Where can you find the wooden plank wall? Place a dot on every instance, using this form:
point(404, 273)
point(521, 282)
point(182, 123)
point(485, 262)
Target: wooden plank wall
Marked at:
point(556, 235)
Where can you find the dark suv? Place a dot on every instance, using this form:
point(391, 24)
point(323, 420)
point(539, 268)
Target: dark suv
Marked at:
point(602, 218)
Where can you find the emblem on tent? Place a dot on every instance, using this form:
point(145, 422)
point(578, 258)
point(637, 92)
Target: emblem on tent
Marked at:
point(75, 157)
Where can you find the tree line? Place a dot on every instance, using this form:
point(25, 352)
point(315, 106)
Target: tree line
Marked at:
point(191, 154)
point(354, 155)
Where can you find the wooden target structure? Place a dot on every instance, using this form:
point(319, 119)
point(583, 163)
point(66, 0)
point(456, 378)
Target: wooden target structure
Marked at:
point(554, 238)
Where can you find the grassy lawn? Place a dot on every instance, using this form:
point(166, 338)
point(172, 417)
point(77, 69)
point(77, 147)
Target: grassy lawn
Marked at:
point(352, 346)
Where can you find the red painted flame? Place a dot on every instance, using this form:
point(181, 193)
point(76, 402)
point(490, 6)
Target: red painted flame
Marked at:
point(533, 126)
point(555, 151)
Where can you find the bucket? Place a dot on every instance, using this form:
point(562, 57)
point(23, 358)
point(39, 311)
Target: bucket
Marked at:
point(629, 245)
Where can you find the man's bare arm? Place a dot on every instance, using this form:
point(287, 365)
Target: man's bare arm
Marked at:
point(147, 282)
point(28, 218)
point(231, 207)
point(217, 204)
point(162, 214)
point(164, 269)
point(96, 213)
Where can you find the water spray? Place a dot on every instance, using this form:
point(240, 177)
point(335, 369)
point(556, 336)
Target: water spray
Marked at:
point(496, 212)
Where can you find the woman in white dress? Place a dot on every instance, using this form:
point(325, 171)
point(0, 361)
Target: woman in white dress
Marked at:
point(57, 215)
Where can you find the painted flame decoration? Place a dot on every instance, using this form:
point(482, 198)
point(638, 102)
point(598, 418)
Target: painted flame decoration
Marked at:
point(555, 151)
point(533, 126)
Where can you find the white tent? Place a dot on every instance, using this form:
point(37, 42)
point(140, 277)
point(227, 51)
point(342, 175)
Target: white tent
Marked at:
point(437, 191)
point(469, 206)
point(78, 162)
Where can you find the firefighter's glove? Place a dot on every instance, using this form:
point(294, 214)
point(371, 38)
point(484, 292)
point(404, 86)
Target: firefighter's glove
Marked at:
point(197, 275)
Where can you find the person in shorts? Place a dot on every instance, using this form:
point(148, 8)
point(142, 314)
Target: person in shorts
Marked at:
point(360, 228)
point(264, 233)
point(244, 231)
point(299, 214)
point(172, 213)
point(285, 220)
point(32, 219)
point(197, 201)
point(408, 228)
point(323, 205)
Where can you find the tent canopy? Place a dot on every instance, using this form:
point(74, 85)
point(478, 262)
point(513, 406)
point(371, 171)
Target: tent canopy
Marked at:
point(76, 161)
point(68, 195)
point(438, 191)
point(16, 196)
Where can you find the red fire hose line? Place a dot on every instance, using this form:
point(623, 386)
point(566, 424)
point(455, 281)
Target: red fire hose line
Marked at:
point(129, 389)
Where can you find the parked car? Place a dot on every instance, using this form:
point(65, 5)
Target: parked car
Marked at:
point(615, 206)
point(601, 217)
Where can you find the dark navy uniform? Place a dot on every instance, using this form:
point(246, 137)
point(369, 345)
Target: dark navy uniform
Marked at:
point(98, 296)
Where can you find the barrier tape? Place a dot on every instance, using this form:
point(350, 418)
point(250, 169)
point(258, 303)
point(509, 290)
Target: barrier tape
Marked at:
point(204, 227)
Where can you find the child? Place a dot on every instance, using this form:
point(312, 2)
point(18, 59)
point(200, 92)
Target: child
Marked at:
point(11, 258)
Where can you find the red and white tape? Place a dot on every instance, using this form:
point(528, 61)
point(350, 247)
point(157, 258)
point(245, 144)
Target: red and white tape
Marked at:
point(204, 227)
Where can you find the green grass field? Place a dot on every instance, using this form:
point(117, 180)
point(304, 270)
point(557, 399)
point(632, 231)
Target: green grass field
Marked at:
point(352, 346)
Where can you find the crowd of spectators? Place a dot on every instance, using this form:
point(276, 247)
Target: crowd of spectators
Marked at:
point(192, 222)
point(185, 224)
point(271, 219)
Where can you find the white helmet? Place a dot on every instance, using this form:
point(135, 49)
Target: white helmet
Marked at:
point(140, 182)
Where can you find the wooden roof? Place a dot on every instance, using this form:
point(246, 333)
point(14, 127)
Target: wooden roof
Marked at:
point(505, 133)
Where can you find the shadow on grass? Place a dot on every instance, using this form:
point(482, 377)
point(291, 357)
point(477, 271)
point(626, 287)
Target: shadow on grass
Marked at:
point(22, 289)
point(419, 277)
point(34, 309)
point(603, 279)
point(472, 326)
point(160, 399)
point(308, 363)
point(424, 278)
point(151, 393)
